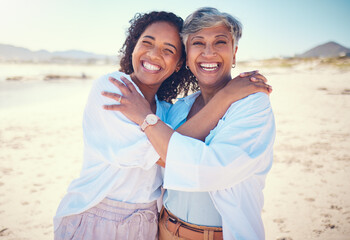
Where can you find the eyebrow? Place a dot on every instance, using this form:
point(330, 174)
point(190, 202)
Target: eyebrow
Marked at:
point(221, 35)
point(153, 38)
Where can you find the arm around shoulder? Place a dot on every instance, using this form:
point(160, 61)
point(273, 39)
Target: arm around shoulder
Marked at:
point(110, 137)
point(239, 147)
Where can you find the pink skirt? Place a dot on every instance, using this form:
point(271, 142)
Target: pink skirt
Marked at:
point(111, 220)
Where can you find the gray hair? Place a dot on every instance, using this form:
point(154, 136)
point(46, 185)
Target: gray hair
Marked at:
point(207, 17)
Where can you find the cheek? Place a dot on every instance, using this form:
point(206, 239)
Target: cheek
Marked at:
point(173, 61)
point(191, 57)
point(138, 49)
point(134, 55)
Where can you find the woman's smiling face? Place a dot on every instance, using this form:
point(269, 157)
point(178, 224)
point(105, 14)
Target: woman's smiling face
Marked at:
point(210, 55)
point(157, 54)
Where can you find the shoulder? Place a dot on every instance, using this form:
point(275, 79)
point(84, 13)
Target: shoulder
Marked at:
point(103, 82)
point(254, 98)
point(252, 104)
point(260, 100)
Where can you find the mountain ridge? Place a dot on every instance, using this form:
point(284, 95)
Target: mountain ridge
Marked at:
point(10, 53)
point(328, 49)
point(20, 54)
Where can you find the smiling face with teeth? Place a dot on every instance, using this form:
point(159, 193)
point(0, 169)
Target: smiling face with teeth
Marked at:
point(210, 55)
point(156, 55)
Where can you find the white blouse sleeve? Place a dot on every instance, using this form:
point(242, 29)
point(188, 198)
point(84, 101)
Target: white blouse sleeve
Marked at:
point(240, 146)
point(110, 137)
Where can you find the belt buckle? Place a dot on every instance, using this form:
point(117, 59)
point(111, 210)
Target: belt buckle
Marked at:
point(171, 219)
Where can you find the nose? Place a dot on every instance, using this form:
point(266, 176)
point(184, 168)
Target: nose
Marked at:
point(208, 51)
point(154, 52)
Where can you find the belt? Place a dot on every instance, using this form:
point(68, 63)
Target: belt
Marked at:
point(190, 231)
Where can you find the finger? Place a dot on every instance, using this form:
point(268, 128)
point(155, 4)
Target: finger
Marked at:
point(112, 107)
point(260, 77)
point(245, 74)
point(270, 90)
point(261, 86)
point(254, 79)
point(114, 96)
point(124, 89)
point(128, 84)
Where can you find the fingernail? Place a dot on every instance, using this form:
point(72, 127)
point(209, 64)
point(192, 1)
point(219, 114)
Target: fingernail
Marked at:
point(253, 78)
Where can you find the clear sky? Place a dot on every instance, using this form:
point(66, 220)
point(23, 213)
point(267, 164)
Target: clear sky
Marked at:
point(271, 28)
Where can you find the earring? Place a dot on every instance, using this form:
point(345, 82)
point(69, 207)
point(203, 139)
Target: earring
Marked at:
point(187, 67)
point(234, 65)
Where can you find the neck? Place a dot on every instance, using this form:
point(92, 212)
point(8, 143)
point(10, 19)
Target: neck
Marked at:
point(148, 92)
point(208, 92)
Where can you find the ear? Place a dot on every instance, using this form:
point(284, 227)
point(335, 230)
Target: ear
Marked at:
point(234, 55)
point(178, 66)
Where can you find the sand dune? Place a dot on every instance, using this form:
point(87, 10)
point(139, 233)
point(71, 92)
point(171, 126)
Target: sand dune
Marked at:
point(307, 193)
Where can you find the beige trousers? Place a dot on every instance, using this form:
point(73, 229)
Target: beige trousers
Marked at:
point(110, 220)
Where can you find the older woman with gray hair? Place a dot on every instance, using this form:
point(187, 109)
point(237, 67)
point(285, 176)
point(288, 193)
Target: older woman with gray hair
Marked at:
point(214, 186)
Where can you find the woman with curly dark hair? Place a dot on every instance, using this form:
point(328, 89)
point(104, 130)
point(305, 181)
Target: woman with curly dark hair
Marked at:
point(115, 195)
point(179, 82)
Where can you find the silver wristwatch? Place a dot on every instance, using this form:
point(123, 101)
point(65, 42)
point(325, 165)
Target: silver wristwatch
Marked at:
point(150, 119)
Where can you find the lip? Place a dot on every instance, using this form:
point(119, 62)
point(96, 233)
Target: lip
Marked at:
point(209, 67)
point(150, 67)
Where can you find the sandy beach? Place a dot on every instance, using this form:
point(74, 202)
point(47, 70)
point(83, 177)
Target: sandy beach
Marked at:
point(307, 194)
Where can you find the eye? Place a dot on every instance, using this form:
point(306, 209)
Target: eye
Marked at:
point(146, 43)
point(197, 43)
point(167, 50)
point(221, 42)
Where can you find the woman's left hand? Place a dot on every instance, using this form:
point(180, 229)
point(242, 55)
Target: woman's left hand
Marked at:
point(131, 103)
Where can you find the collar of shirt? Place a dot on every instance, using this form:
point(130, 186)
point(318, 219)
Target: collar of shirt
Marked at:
point(178, 111)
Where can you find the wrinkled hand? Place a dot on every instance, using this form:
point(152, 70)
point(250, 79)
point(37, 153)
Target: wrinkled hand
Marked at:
point(247, 83)
point(131, 103)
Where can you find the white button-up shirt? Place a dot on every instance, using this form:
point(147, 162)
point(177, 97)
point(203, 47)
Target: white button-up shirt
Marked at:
point(231, 164)
point(119, 161)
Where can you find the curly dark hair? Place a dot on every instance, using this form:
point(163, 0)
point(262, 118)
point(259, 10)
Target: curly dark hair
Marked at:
point(180, 82)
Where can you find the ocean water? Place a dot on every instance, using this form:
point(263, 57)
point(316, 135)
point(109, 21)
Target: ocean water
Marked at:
point(33, 89)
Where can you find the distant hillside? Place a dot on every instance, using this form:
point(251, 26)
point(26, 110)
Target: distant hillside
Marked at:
point(9, 53)
point(330, 49)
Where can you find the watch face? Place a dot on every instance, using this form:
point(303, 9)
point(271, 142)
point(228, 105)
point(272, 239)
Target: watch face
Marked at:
point(152, 119)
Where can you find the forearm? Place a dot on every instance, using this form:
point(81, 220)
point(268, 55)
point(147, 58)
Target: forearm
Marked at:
point(197, 127)
point(200, 125)
point(159, 135)
point(230, 156)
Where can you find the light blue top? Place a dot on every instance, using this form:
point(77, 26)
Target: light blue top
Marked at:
point(193, 207)
point(231, 165)
point(119, 161)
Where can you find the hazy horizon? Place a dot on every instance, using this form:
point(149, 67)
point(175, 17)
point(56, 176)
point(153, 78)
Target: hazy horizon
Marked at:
point(271, 28)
